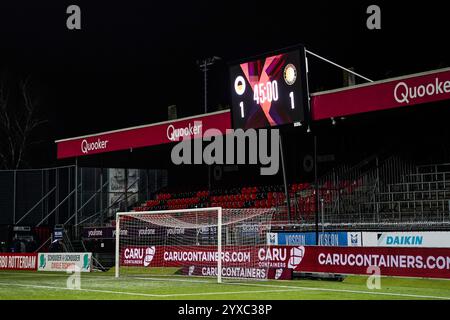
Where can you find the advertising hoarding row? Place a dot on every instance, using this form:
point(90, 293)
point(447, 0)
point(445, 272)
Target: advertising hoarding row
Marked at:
point(61, 261)
point(257, 261)
point(426, 239)
point(309, 238)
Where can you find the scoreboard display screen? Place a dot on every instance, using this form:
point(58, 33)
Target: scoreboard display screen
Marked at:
point(270, 91)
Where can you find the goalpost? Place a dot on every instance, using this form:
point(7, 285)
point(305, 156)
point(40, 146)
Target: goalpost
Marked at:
point(215, 242)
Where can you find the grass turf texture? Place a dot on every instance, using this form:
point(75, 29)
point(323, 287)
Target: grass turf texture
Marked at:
point(103, 285)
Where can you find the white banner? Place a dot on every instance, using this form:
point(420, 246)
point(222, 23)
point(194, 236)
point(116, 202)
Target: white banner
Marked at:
point(425, 239)
point(64, 260)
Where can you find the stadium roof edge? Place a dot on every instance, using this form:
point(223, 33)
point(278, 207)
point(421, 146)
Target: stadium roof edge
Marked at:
point(368, 84)
point(141, 126)
point(228, 110)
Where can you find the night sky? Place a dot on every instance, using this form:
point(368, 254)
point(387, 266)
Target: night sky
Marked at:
point(132, 59)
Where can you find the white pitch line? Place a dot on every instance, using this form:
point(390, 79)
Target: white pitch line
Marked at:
point(74, 290)
point(177, 280)
point(147, 294)
point(290, 288)
point(344, 291)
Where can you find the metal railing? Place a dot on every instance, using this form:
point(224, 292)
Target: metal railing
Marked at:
point(375, 194)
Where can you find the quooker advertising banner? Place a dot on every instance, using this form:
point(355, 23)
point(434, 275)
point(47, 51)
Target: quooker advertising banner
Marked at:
point(386, 94)
point(18, 261)
point(254, 262)
point(144, 136)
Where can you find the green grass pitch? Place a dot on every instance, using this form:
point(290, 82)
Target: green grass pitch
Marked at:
point(103, 285)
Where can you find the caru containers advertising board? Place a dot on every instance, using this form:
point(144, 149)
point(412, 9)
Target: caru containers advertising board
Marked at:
point(258, 261)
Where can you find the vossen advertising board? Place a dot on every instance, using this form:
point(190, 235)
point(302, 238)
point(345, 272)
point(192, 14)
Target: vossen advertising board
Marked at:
point(309, 238)
point(64, 261)
point(428, 239)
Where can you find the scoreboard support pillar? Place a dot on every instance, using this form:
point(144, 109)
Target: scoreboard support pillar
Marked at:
point(316, 191)
point(286, 190)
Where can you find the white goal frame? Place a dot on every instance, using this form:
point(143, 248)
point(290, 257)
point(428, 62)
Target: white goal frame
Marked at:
point(136, 213)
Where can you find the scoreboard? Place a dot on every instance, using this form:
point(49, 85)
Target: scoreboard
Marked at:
point(270, 90)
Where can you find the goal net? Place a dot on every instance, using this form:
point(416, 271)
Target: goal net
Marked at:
point(189, 242)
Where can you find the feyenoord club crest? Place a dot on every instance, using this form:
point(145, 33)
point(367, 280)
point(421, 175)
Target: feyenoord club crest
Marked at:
point(290, 74)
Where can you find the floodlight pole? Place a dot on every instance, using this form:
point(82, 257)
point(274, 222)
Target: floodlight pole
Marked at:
point(204, 64)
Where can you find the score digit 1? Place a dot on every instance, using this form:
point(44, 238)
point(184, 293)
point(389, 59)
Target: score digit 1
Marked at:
point(291, 95)
point(241, 104)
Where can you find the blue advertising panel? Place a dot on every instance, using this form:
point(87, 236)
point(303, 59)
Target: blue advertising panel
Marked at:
point(309, 238)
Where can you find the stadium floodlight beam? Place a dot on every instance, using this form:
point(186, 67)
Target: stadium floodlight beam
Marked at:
point(204, 64)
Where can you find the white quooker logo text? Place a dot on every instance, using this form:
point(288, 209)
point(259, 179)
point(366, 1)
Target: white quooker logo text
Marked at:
point(405, 94)
point(174, 134)
point(97, 145)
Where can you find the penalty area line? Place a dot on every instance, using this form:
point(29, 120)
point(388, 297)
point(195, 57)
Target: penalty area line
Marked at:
point(75, 290)
point(147, 294)
point(406, 295)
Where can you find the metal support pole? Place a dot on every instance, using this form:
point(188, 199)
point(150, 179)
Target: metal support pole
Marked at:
point(69, 203)
point(81, 193)
point(101, 196)
point(322, 209)
point(204, 67)
point(42, 193)
point(14, 198)
point(147, 182)
point(47, 185)
point(56, 196)
point(286, 190)
point(219, 245)
point(316, 190)
point(205, 79)
point(337, 65)
point(76, 196)
point(126, 189)
point(117, 253)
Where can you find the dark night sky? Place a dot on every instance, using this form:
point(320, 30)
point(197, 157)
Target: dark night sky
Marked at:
point(134, 58)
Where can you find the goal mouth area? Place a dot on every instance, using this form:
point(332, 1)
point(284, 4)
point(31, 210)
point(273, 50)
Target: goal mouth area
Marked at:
point(189, 219)
point(207, 242)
